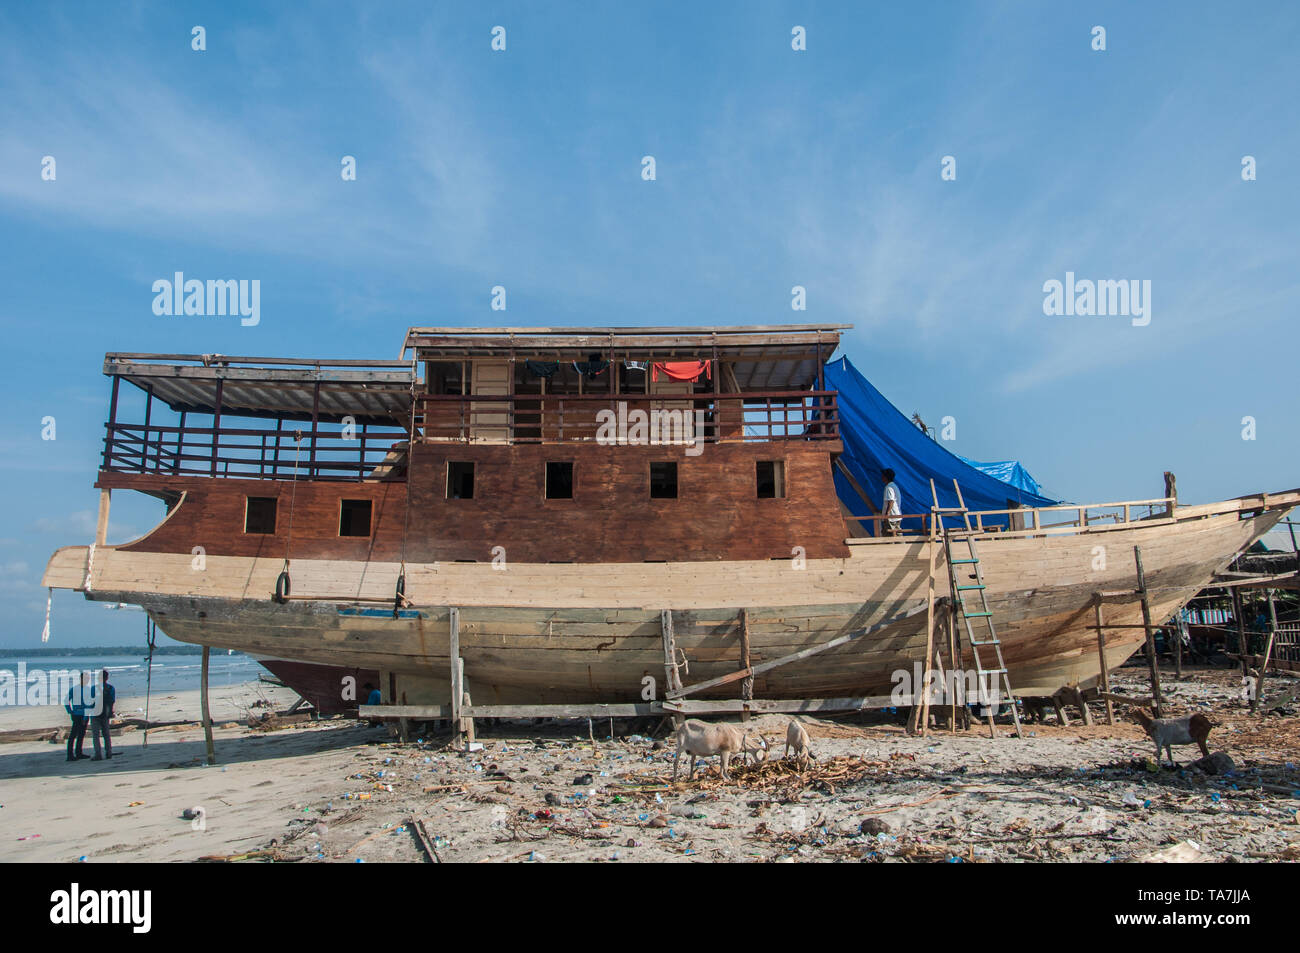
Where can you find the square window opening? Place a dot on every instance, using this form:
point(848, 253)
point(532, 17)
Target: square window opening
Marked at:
point(259, 515)
point(771, 479)
point(354, 518)
point(559, 481)
point(460, 481)
point(663, 480)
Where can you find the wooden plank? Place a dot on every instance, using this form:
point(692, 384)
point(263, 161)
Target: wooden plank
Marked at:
point(793, 657)
point(671, 675)
point(1103, 667)
point(1126, 699)
point(929, 634)
point(857, 487)
point(204, 712)
point(1152, 663)
point(453, 654)
point(746, 686)
point(101, 523)
point(686, 706)
point(1268, 652)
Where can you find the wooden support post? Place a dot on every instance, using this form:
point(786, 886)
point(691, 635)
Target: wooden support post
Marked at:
point(1081, 704)
point(1171, 492)
point(1105, 671)
point(1152, 664)
point(929, 639)
point(101, 524)
point(178, 464)
point(954, 666)
point(148, 410)
point(466, 721)
point(1061, 715)
point(747, 685)
point(457, 670)
point(315, 425)
point(1268, 651)
point(216, 423)
point(203, 706)
point(110, 429)
point(674, 680)
point(1238, 613)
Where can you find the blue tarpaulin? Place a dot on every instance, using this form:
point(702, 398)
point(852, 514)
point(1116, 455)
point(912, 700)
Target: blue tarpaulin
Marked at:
point(1008, 471)
point(877, 436)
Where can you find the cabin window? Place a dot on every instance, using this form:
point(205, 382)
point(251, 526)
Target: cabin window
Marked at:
point(259, 515)
point(460, 481)
point(354, 518)
point(663, 480)
point(771, 479)
point(559, 481)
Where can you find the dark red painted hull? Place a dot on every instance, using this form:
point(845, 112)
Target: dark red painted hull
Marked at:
point(324, 685)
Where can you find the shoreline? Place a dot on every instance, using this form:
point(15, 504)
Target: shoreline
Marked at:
point(226, 702)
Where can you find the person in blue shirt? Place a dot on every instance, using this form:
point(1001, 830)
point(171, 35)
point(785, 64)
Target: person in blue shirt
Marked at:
point(75, 705)
point(100, 713)
point(373, 697)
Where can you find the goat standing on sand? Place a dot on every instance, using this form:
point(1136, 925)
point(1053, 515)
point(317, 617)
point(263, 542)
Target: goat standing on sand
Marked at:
point(699, 739)
point(1166, 732)
point(796, 739)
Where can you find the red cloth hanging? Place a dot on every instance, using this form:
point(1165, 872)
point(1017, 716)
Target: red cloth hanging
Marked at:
point(683, 370)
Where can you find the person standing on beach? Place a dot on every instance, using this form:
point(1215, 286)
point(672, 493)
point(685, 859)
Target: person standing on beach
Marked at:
point(99, 722)
point(75, 705)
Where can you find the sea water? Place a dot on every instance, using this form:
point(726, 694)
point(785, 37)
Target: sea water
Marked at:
point(128, 673)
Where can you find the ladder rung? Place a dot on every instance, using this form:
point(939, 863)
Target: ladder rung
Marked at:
point(984, 641)
point(955, 561)
point(976, 615)
point(972, 587)
point(991, 671)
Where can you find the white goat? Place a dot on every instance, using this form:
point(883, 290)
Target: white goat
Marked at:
point(796, 739)
point(699, 739)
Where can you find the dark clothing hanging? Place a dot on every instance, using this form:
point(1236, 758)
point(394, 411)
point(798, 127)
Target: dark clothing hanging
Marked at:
point(544, 369)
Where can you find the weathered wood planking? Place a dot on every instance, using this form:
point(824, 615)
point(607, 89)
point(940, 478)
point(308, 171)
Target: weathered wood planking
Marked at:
point(578, 633)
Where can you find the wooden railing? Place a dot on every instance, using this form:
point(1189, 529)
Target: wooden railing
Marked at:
point(1029, 520)
point(628, 418)
point(284, 453)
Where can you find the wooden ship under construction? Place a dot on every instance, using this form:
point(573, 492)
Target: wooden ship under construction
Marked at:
point(533, 521)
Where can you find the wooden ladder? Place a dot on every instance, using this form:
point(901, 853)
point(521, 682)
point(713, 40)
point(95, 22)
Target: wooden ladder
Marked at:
point(973, 617)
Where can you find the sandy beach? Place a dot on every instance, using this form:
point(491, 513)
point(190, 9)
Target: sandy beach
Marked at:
point(342, 791)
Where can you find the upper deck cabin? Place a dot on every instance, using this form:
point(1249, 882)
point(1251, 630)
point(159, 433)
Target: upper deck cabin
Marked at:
point(284, 419)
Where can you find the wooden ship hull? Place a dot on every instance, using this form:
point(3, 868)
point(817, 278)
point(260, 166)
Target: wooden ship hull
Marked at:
point(546, 633)
point(403, 519)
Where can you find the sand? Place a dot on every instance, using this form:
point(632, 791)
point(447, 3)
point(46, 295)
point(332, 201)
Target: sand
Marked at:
point(342, 791)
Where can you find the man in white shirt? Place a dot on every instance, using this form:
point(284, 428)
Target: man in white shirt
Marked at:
point(893, 506)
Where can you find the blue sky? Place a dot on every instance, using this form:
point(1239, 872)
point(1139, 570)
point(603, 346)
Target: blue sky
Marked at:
point(775, 168)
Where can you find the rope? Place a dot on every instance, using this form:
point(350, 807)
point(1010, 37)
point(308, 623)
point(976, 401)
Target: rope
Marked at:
point(288, 539)
point(151, 639)
point(399, 598)
point(49, 600)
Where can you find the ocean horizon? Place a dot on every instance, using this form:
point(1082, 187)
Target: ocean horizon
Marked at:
point(130, 676)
